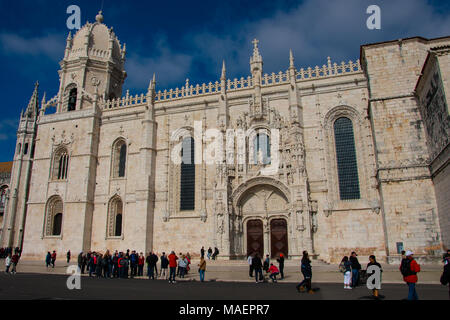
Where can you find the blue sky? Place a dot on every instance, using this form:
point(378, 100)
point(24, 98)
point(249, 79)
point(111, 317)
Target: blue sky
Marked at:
point(189, 39)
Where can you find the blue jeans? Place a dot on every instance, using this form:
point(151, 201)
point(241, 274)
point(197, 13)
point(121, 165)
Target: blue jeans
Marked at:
point(202, 275)
point(355, 276)
point(173, 271)
point(258, 274)
point(412, 293)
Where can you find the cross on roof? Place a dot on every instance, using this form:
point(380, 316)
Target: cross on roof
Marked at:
point(255, 43)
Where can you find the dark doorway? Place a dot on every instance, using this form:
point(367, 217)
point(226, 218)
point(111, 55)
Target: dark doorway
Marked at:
point(278, 238)
point(255, 237)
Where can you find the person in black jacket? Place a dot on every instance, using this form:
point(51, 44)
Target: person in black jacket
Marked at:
point(164, 266)
point(445, 278)
point(257, 267)
point(356, 266)
point(281, 265)
point(307, 274)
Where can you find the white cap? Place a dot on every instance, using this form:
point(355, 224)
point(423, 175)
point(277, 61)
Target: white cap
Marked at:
point(409, 253)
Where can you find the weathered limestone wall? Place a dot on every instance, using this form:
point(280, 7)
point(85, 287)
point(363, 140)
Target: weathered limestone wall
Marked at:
point(409, 203)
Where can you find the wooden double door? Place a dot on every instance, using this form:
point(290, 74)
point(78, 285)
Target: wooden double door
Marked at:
point(278, 238)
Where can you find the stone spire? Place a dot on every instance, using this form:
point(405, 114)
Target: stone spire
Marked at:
point(224, 72)
point(291, 60)
point(256, 62)
point(33, 105)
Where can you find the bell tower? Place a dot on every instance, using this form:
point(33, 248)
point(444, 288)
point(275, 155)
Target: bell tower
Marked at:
point(93, 62)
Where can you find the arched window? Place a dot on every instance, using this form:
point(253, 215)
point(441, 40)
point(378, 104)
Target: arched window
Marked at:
point(187, 179)
point(261, 148)
point(72, 103)
point(346, 159)
point(19, 148)
point(119, 159)
point(60, 164)
point(54, 213)
point(115, 215)
point(25, 149)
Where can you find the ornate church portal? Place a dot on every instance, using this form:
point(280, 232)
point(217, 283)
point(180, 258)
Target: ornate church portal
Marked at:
point(264, 210)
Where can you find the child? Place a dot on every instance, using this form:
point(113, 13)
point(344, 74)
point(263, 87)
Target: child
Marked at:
point(273, 272)
point(346, 269)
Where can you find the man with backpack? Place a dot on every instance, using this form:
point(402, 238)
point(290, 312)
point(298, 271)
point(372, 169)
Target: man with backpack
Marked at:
point(409, 269)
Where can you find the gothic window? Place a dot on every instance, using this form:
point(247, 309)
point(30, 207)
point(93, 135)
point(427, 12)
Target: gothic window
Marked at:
point(3, 192)
point(72, 99)
point(115, 215)
point(119, 159)
point(54, 216)
point(60, 164)
point(25, 149)
point(187, 179)
point(346, 159)
point(261, 149)
point(57, 224)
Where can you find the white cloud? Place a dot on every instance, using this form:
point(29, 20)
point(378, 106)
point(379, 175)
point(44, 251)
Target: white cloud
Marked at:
point(50, 45)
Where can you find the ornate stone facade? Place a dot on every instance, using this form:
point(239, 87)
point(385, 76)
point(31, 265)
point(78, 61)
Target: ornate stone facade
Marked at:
point(289, 204)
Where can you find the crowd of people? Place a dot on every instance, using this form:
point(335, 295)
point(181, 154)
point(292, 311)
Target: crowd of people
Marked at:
point(131, 264)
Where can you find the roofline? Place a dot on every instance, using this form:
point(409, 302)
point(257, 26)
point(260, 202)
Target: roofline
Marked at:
point(423, 39)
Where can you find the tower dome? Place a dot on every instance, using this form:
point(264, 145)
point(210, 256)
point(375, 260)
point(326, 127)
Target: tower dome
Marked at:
point(96, 41)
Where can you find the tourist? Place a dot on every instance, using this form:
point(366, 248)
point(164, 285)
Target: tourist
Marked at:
point(346, 268)
point(133, 263)
point(80, 261)
point(91, 264)
point(53, 258)
point(409, 269)
point(373, 262)
point(115, 265)
point(151, 260)
point(68, 256)
point(106, 265)
point(356, 266)
point(209, 253)
point(215, 254)
point(202, 268)
point(257, 267)
point(280, 261)
point(141, 262)
point(182, 265)
point(306, 270)
point(48, 259)
point(164, 266)
point(8, 263)
point(188, 259)
point(202, 252)
point(249, 260)
point(445, 277)
point(99, 265)
point(266, 264)
point(173, 266)
point(178, 269)
point(273, 272)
